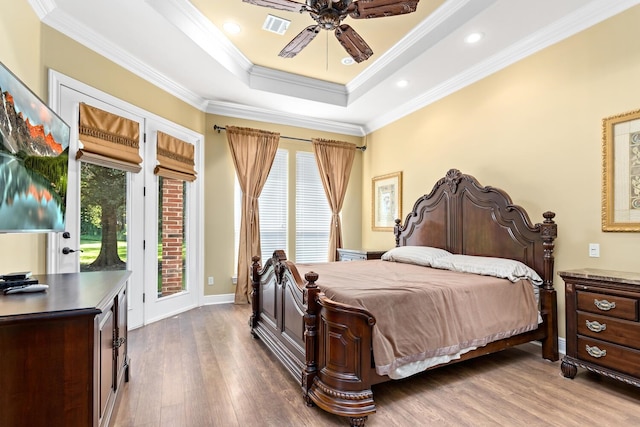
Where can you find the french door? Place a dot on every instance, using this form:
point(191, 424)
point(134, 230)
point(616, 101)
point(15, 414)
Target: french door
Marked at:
point(114, 218)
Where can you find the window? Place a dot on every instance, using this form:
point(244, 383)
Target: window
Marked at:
point(312, 213)
point(273, 209)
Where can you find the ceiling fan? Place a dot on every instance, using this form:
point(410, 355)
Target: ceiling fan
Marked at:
point(329, 14)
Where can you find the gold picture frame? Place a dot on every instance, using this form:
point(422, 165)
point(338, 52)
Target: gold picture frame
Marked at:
point(621, 172)
point(386, 201)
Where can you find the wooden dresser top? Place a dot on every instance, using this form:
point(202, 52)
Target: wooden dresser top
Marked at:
point(82, 292)
point(626, 277)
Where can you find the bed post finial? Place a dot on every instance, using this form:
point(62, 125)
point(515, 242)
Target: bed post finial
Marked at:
point(453, 178)
point(255, 287)
point(548, 296)
point(548, 233)
point(396, 231)
point(310, 334)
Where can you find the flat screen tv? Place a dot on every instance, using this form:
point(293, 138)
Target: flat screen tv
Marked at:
point(34, 160)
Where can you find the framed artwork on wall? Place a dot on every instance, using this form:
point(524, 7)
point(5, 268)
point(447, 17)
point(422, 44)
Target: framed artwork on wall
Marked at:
point(386, 201)
point(34, 160)
point(621, 172)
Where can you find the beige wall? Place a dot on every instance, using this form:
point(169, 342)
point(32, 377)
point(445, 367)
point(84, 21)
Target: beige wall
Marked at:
point(534, 130)
point(20, 53)
point(220, 175)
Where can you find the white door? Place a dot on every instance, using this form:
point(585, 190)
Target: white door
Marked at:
point(172, 243)
point(93, 189)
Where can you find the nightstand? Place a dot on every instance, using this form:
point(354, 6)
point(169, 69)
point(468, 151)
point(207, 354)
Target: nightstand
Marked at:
point(358, 254)
point(603, 323)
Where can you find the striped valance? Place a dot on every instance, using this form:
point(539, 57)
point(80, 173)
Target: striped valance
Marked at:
point(108, 139)
point(175, 158)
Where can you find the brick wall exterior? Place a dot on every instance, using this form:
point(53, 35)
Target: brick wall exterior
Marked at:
point(172, 232)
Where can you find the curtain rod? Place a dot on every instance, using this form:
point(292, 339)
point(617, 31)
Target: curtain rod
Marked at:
point(219, 128)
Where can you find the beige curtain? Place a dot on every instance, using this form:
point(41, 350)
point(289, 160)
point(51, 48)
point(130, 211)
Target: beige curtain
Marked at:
point(334, 159)
point(175, 158)
point(108, 139)
point(253, 152)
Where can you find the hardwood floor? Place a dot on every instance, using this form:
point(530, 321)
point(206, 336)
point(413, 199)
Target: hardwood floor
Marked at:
point(202, 368)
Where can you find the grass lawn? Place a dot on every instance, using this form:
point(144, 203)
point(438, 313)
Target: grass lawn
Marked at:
point(91, 249)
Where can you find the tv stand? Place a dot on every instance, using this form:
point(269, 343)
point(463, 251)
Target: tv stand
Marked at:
point(64, 351)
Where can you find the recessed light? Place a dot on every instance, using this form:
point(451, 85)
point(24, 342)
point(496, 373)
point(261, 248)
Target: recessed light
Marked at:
point(474, 38)
point(347, 60)
point(402, 83)
point(231, 27)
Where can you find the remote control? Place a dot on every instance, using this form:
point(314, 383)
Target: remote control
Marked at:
point(26, 288)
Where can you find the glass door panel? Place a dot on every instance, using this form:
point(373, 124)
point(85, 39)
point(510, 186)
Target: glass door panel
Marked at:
point(172, 248)
point(103, 218)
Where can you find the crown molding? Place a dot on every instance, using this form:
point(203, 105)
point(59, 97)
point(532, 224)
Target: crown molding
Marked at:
point(189, 20)
point(270, 80)
point(438, 25)
point(263, 115)
point(42, 7)
point(570, 25)
point(86, 36)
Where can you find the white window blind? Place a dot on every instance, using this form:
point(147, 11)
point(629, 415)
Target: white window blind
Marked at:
point(313, 215)
point(273, 209)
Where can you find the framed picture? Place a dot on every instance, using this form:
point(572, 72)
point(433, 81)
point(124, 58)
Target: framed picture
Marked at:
point(386, 201)
point(34, 160)
point(621, 172)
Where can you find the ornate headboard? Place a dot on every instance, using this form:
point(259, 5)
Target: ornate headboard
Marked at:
point(464, 217)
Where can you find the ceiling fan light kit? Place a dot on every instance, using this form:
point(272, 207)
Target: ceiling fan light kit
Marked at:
point(329, 15)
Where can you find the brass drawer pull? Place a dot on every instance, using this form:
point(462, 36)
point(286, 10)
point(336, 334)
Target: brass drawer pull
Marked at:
point(604, 305)
point(596, 326)
point(595, 352)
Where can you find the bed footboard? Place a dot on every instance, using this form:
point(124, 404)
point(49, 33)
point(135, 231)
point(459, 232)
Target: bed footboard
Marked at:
point(325, 345)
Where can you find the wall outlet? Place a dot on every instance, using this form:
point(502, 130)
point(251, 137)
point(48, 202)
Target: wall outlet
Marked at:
point(210, 281)
point(594, 250)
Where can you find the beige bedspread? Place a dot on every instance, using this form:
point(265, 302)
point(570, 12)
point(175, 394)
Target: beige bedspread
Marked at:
point(423, 312)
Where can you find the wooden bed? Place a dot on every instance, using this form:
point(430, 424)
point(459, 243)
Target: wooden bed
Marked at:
point(327, 346)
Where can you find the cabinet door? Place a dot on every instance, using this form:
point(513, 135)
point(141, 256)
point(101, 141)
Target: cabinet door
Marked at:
point(107, 374)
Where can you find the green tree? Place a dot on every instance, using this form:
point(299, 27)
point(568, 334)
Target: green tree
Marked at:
point(104, 190)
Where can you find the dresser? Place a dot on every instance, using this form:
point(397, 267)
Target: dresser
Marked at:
point(358, 254)
point(603, 324)
point(64, 351)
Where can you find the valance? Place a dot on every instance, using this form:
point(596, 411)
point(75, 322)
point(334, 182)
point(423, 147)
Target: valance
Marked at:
point(108, 139)
point(175, 158)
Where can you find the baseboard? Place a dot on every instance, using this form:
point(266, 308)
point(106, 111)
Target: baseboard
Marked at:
point(218, 299)
point(562, 346)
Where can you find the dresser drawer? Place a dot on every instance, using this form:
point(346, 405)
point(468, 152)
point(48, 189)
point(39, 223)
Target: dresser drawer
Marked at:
point(622, 359)
point(609, 305)
point(609, 329)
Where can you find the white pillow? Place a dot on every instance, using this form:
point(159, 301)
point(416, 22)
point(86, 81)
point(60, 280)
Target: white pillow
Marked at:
point(418, 255)
point(497, 267)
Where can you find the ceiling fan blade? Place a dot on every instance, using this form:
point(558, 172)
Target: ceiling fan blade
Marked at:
point(300, 41)
point(288, 5)
point(353, 43)
point(363, 9)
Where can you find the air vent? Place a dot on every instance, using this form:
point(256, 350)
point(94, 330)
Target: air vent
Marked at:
point(275, 24)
